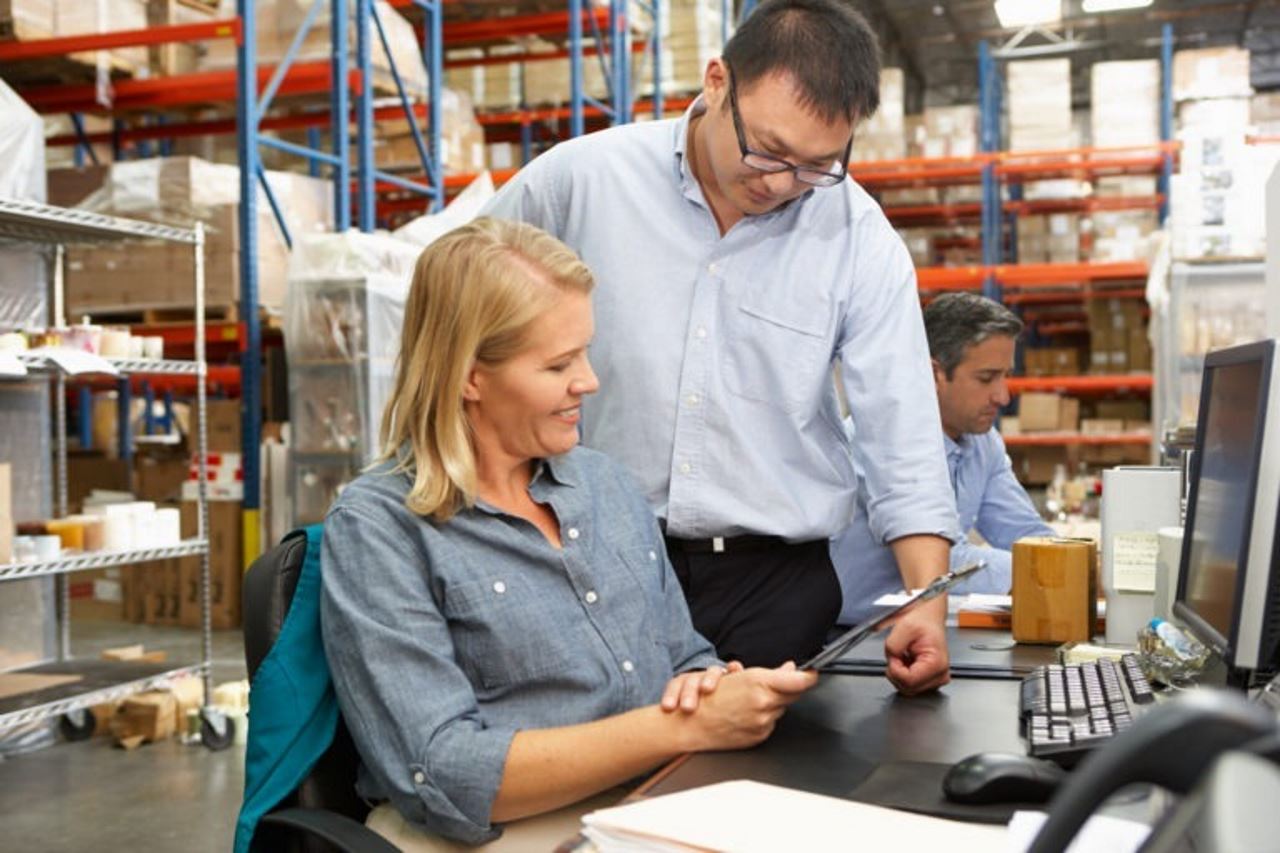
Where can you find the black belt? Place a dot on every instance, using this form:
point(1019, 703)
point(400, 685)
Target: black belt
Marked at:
point(726, 544)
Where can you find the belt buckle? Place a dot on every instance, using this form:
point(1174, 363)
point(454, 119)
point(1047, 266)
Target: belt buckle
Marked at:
point(717, 544)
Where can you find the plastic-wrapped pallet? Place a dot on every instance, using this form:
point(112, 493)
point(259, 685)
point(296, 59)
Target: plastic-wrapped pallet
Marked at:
point(1039, 104)
point(343, 315)
point(83, 17)
point(1126, 103)
point(180, 190)
point(882, 136)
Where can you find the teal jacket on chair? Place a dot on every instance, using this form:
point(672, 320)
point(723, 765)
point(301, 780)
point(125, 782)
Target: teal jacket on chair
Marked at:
point(293, 712)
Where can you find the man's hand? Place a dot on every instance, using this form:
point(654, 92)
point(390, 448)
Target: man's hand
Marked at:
point(916, 650)
point(686, 689)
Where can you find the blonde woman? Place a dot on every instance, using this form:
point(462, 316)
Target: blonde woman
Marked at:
point(505, 632)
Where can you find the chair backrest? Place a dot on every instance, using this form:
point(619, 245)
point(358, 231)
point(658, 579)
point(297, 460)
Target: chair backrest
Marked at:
point(267, 594)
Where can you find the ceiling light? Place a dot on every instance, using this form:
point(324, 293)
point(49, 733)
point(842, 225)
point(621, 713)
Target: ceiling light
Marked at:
point(1022, 13)
point(1114, 5)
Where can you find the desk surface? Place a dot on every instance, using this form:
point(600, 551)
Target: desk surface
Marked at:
point(831, 739)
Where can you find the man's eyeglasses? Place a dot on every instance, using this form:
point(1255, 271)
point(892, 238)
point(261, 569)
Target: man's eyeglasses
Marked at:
point(773, 165)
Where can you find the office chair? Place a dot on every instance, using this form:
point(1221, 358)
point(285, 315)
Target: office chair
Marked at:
point(323, 813)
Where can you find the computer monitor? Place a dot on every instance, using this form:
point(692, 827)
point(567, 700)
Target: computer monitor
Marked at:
point(1228, 586)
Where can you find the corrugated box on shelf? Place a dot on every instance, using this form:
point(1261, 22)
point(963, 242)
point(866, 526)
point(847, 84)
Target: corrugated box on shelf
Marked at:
point(179, 190)
point(950, 131)
point(28, 19)
point(882, 137)
point(277, 22)
point(1039, 412)
point(6, 512)
point(1213, 72)
point(100, 16)
point(1264, 113)
point(1125, 103)
point(691, 37)
point(226, 566)
point(1039, 93)
point(182, 57)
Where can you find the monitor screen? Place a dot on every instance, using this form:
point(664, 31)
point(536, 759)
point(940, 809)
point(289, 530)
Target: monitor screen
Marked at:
point(1220, 514)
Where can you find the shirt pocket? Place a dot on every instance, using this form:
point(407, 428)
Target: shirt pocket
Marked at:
point(774, 357)
point(506, 634)
point(640, 583)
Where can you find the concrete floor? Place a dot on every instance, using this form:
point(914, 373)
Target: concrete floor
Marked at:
point(160, 797)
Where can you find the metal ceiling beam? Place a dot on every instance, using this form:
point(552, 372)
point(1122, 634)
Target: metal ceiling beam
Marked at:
point(1244, 22)
point(1116, 18)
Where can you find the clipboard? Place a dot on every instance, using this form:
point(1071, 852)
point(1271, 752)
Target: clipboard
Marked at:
point(836, 648)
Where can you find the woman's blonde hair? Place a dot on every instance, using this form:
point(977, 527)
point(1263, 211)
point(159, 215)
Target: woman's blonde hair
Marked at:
point(476, 292)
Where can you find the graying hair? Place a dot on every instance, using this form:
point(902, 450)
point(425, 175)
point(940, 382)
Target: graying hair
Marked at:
point(956, 321)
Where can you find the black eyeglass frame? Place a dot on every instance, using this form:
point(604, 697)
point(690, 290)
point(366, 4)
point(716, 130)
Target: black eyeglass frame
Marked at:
point(772, 165)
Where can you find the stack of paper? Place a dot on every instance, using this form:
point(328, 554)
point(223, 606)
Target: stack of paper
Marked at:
point(746, 817)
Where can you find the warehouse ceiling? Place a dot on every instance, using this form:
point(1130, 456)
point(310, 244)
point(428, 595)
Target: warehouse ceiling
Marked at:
point(936, 42)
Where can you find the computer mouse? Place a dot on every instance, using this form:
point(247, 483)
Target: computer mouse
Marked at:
point(1001, 777)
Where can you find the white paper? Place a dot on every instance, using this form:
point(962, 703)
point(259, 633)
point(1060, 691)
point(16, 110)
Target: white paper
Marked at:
point(1100, 834)
point(751, 817)
point(74, 362)
point(11, 366)
point(981, 602)
point(1133, 560)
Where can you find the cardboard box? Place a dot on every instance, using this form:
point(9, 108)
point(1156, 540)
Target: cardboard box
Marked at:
point(1069, 414)
point(1039, 412)
point(69, 187)
point(98, 595)
point(1214, 72)
point(1010, 425)
point(1101, 426)
point(182, 58)
point(226, 566)
point(1126, 410)
point(1055, 592)
point(222, 422)
point(1125, 108)
point(1034, 466)
point(1039, 94)
point(145, 718)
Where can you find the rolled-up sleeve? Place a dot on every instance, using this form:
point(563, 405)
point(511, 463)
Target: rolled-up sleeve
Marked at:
point(889, 384)
point(410, 709)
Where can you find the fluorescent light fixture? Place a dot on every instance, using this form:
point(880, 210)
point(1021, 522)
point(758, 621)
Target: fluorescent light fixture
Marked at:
point(1022, 13)
point(1114, 5)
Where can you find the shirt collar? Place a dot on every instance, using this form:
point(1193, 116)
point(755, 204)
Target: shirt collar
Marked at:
point(956, 448)
point(561, 469)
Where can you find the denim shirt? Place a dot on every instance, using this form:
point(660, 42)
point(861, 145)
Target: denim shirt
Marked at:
point(446, 639)
point(989, 499)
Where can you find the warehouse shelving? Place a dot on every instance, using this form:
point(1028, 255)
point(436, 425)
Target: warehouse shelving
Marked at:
point(103, 681)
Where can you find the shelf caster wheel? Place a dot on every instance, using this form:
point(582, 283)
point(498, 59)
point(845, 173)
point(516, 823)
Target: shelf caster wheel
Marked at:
point(78, 725)
point(217, 730)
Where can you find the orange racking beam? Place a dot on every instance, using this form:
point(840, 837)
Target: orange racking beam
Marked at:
point(1082, 384)
point(16, 51)
point(951, 278)
point(532, 56)
point(493, 29)
point(1050, 275)
point(1055, 439)
point(303, 78)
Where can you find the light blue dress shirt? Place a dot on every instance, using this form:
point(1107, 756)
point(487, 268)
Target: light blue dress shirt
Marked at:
point(446, 639)
point(715, 353)
point(989, 499)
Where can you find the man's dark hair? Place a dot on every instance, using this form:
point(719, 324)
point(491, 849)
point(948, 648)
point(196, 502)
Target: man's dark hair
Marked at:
point(956, 321)
point(826, 46)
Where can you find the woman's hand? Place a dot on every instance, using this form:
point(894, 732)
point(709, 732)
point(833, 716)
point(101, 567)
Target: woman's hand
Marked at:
point(684, 691)
point(745, 707)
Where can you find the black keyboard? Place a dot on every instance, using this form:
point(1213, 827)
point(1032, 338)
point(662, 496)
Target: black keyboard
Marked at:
point(1066, 711)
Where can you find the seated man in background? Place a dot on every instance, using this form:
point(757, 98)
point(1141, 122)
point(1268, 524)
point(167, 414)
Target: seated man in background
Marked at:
point(971, 344)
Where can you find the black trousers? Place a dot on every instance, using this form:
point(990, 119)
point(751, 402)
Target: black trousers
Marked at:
point(761, 606)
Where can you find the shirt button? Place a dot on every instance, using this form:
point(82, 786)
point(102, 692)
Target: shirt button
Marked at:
point(653, 555)
point(628, 666)
point(573, 533)
point(712, 268)
point(701, 332)
point(685, 467)
point(499, 587)
point(419, 777)
point(591, 597)
point(693, 399)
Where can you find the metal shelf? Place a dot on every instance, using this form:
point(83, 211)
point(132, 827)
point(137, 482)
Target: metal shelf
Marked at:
point(1121, 382)
point(101, 560)
point(32, 222)
point(124, 366)
point(99, 682)
point(1056, 439)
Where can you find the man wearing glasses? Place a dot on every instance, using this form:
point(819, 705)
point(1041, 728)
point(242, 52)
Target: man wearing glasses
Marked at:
point(736, 264)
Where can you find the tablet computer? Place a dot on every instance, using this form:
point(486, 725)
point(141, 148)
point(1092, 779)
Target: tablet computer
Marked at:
point(837, 647)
